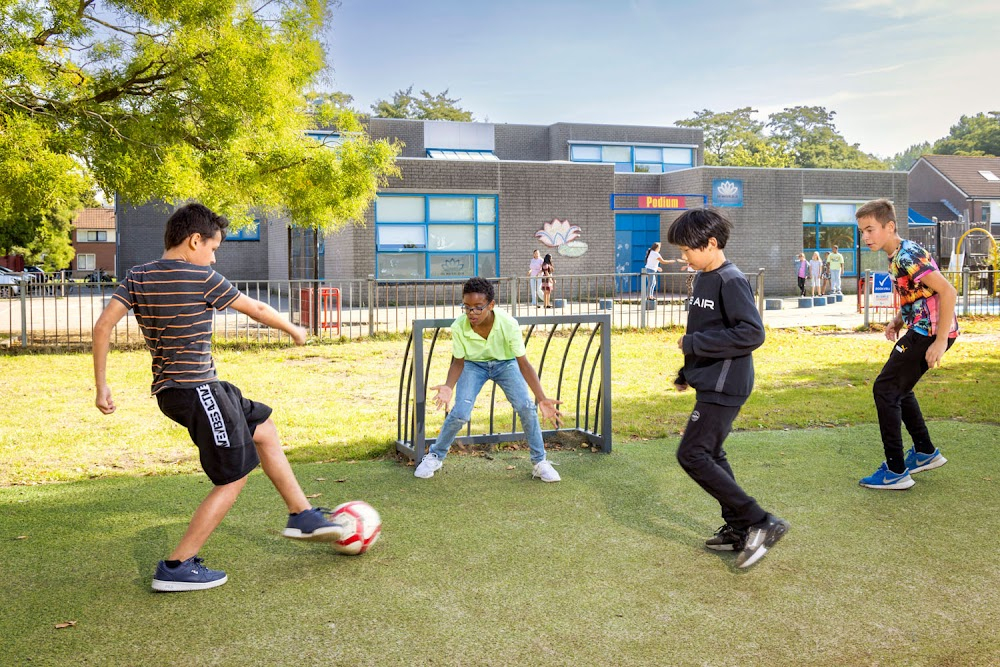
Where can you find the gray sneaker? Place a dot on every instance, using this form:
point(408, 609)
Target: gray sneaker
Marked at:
point(727, 538)
point(760, 538)
point(429, 465)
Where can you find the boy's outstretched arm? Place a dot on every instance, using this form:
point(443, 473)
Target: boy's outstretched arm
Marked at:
point(548, 406)
point(105, 324)
point(946, 315)
point(266, 315)
point(445, 390)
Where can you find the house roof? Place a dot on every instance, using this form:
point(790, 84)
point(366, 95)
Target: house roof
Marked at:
point(933, 209)
point(963, 171)
point(95, 218)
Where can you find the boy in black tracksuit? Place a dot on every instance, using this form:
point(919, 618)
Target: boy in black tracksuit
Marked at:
point(723, 329)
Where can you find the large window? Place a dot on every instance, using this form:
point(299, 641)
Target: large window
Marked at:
point(245, 234)
point(436, 236)
point(639, 158)
point(828, 224)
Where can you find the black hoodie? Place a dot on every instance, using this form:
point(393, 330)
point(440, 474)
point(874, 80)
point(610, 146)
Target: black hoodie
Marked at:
point(723, 329)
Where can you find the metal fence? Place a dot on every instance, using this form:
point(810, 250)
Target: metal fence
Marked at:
point(56, 312)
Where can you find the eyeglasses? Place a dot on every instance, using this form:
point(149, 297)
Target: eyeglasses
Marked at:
point(472, 309)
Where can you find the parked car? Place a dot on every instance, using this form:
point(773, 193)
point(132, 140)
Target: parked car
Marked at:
point(9, 282)
point(36, 273)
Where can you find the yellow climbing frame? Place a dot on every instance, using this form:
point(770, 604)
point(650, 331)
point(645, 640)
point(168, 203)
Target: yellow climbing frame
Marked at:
point(994, 258)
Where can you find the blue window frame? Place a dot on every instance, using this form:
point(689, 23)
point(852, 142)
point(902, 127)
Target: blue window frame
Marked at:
point(825, 224)
point(246, 234)
point(432, 236)
point(638, 158)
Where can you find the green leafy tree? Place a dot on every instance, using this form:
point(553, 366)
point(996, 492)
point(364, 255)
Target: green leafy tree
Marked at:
point(423, 107)
point(188, 99)
point(728, 135)
point(972, 135)
point(814, 142)
point(904, 160)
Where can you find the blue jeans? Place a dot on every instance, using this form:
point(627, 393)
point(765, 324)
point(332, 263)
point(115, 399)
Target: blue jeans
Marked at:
point(651, 282)
point(507, 374)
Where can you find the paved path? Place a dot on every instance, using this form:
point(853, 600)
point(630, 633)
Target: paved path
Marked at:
point(843, 315)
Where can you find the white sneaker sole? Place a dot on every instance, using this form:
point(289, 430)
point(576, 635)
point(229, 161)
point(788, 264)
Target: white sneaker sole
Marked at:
point(329, 534)
point(181, 586)
point(897, 486)
point(936, 462)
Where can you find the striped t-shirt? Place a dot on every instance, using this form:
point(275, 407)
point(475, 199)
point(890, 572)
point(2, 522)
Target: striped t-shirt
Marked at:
point(171, 299)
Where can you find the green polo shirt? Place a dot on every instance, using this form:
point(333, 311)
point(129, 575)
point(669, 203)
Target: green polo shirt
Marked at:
point(835, 260)
point(503, 343)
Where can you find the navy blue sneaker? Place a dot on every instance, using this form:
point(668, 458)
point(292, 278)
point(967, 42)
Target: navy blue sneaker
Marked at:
point(190, 575)
point(312, 525)
point(917, 462)
point(883, 478)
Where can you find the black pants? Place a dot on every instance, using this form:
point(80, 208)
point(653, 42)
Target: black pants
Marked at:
point(702, 457)
point(894, 399)
point(802, 286)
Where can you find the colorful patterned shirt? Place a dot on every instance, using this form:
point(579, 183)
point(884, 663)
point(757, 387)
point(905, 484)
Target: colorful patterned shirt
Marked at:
point(172, 300)
point(919, 304)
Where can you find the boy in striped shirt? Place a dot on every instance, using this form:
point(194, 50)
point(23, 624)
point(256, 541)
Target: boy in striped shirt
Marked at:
point(173, 298)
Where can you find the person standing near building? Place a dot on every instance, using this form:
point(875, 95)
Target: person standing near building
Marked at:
point(652, 267)
point(548, 282)
point(815, 272)
point(534, 273)
point(801, 270)
point(836, 263)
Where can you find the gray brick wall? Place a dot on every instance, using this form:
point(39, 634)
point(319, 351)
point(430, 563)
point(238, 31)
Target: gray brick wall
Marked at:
point(140, 236)
point(522, 142)
point(560, 134)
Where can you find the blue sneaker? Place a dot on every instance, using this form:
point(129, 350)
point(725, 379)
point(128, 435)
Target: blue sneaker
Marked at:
point(190, 575)
point(312, 525)
point(917, 462)
point(883, 478)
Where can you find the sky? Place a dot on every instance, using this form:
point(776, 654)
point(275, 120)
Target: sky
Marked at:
point(896, 72)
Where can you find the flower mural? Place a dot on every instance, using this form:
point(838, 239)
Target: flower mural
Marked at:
point(562, 236)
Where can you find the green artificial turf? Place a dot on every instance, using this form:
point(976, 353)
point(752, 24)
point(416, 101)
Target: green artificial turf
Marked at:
point(483, 566)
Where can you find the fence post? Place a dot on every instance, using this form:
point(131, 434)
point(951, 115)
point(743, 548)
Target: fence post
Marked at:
point(965, 290)
point(515, 298)
point(371, 305)
point(868, 291)
point(24, 311)
point(642, 299)
point(760, 291)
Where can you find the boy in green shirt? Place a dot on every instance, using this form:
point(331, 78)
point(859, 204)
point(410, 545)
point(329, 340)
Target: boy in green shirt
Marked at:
point(486, 345)
point(836, 263)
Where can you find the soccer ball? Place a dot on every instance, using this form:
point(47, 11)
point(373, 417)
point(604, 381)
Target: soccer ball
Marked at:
point(363, 526)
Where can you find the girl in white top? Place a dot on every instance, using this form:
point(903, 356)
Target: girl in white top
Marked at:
point(653, 261)
point(535, 272)
point(815, 269)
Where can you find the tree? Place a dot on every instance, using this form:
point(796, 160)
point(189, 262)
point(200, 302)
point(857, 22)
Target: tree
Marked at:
point(40, 191)
point(187, 99)
point(904, 160)
point(972, 135)
point(814, 142)
point(424, 107)
point(724, 132)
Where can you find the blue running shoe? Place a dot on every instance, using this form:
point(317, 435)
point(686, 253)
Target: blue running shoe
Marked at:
point(312, 525)
point(190, 575)
point(917, 462)
point(883, 478)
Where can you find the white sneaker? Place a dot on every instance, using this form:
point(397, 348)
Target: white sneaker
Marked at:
point(429, 465)
point(545, 471)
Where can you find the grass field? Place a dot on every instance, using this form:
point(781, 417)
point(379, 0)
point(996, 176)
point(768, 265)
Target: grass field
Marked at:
point(484, 566)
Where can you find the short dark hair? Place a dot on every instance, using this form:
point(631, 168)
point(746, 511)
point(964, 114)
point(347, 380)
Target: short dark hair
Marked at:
point(191, 219)
point(694, 228)
point(880, 209)
point(479, 285)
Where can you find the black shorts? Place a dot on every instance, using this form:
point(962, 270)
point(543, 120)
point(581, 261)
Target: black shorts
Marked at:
point(221, 422)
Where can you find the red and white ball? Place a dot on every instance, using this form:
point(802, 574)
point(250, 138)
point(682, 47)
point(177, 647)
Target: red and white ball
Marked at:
point(363, 526)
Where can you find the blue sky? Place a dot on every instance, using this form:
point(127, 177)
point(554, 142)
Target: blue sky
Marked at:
point(897, 72)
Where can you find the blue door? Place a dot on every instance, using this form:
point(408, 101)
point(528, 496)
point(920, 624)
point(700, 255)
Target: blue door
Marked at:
point(634, 233)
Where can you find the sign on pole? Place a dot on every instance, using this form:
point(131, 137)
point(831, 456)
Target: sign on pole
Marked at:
point(882, 290)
